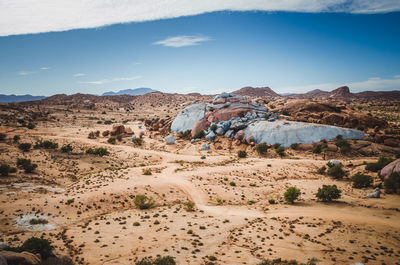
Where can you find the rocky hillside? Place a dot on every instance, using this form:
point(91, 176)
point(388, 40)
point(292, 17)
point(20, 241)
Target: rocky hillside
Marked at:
point(256, 92)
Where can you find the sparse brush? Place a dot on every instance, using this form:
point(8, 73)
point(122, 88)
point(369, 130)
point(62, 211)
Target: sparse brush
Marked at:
point(143, 202)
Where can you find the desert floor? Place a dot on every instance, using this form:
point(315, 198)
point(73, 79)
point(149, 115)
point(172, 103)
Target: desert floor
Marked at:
point(101, 225)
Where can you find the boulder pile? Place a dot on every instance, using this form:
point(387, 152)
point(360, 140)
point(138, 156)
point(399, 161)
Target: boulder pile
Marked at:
point(235, 116)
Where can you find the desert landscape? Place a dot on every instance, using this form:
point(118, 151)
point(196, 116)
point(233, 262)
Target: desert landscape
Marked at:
point(121, 180)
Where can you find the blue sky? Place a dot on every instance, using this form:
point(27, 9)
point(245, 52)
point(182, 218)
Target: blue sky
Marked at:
point(209, 53)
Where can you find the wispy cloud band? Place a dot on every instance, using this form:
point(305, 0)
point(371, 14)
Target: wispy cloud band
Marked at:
point(105, 81)
point(36, 16)
point(182, 41)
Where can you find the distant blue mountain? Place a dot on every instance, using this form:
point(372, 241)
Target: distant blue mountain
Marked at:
point(18, 98)
point(132, 92)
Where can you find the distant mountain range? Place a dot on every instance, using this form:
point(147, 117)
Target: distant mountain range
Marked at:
point(18, 98)
point(133, 92)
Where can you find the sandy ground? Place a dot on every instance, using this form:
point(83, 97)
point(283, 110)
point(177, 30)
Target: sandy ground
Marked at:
point(102, 225)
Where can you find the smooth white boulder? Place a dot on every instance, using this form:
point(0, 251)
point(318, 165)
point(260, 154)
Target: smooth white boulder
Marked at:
point(188, 117)
point(287, 133)
point(170, 139)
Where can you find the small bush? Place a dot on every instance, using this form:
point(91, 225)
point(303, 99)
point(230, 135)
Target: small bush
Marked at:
point(66, 148)
point(190, 206)
point(98, 151)
point(38, 221)
point(2, 137)
point(16, 138)
point(336, 171)
point(317, 149)
point(276, 145)
point(271, 201)
point(92, 135)
point(35, 245)
point(108, 122)
point(200, 134)
point(143, 202)
point(137, 141)
point(280, 151)
point(167, 260)
point(46, 145)
point(111, 140)
point(25, 147)
point(262, 148)
point(381, 163)
point(213, 127)
point(361, 181)
point(292, 194)
point(321, 170)
point(232, 183)
point(392, 183)
point(242, 153)
point(146, 171)
point(294, 146)
point(328, 193)
point(26, 165)
point(6, 169)
point(31, 126)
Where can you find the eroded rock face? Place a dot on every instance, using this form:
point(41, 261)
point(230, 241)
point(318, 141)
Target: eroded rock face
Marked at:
point(391, 168)
point(188, 117)
point(287, 133)
point(23, 258)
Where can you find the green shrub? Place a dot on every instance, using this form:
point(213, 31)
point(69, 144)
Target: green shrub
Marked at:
point(143, 202)
point(336, 171)
point(381, 163)
point(271, 201)
point(38, 221)
point(35, 245)
point(339, 137)
point(137, 141)
point(26, 165)
point(317, 149)
point(321, 170)
point(292, 194)
point(361, 181)
point(200, 134)
point(262, 148)
point(280, 151)
point(242, 153)
point(392, 183)
point(328, 193)
point(31, 126)
point(6, 169)
point(146, 171)
point(232, 183)
point(213, 127)
point(286, 262)
point(167, 260)
point(46, 145)
point(101, 151)
point(276, 145)
point(111, 140)
point(66, 148)
point(190, 206)
point(25, 147)
point(294, 146)
point(16, 138)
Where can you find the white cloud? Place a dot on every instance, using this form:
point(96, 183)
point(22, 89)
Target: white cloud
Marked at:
point(373, 83)
point(79, 75)
point(44, 68)
point(25, 72)
point(35, 16)
point(181, 41)
point(105, 81)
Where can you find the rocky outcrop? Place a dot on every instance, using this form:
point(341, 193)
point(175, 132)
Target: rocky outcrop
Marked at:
point(170, 139)
point(390, 168)
point(188, 117)
point(256, 92)
point(287, 133)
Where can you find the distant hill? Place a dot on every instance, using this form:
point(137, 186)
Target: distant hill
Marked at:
point(133, 92)
point(18, 98)
point(256, 92)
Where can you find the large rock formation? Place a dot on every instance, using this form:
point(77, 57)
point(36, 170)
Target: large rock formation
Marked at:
point(23, 258)
point(391, 168)
point(287, 133)
point(188, 117)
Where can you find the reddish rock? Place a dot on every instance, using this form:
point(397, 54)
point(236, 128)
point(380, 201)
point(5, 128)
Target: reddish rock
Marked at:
point(23, 258)
point(129, 131)
point(212, 118)
point(391, 142)
point(219, 101)
point(332, 147)
point(200, 125)
point(239, 135)
point(228, 113)
point(305, 147)
point(117, 130)
point(391, 168)
point(106, 133)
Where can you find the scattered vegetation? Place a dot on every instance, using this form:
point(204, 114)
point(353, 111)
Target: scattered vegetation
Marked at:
point(16, 138)
point(292, 194)
point(381, 163)
point(6, 169)
point(200, 134)
point(343, 145)
point(242, 153)
point(46, 145)
point(146, 171)
point(286, 262)
point(294, 146)
point(35, 245)
point(213, 127)
point(336, 172)
point(66, 148)
point(26, 165)
point(328, 193)
point(392, 183)
point(31, 126)
point(361, 181)
point(271, 201)
point(137, 141)
point(190, 206)
point(167, 260)
point(321, 170)
point(101, 151)
point(280, 151)
point(38, 221)
point(262, 148)
point(25, 147)
point(143, 202)
point(111, 140)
